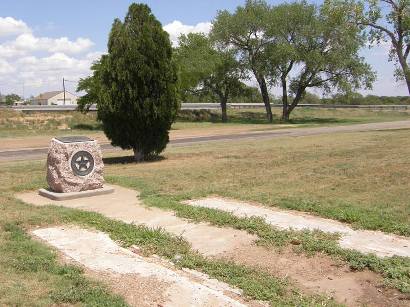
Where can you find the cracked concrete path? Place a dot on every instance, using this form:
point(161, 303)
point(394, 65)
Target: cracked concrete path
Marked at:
point(124, 205)
point(173, 287)
point(318, 274)
point(366, 241)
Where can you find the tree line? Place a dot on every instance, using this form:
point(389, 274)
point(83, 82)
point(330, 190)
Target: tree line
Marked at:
point(354, 98)
point(9, 99)
point(298, 46)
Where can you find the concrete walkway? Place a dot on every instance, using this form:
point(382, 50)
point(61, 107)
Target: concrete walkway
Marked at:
point(124, 205)
point(317, 274)
point(166, 286)
point(366, 241)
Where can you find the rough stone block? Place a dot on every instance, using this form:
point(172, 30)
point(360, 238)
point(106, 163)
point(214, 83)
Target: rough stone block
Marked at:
point(74, 164)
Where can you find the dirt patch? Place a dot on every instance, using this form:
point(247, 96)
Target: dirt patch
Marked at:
point(364, 241)
point(136, 290)
point(97, 252)
point(321, 274)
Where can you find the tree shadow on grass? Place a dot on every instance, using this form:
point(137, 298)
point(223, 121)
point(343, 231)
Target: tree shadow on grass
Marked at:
point(130, 160)
point(90, 127)
point(249, 117)
point(256, 117)
point(260, 118)
point(317, 120)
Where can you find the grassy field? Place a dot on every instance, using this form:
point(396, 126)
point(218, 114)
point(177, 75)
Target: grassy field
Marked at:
point(359, 178)
point(18, 124)
point(29, 266)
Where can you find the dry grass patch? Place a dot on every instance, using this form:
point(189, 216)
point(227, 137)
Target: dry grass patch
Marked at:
point(15, 123)
point(359, 178)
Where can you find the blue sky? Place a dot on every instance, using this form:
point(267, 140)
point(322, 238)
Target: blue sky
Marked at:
point(43, 40)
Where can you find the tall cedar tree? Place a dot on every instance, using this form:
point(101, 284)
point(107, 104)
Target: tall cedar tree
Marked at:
point(135, 84)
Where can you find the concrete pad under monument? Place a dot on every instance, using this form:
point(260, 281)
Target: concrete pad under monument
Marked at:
point(74, 169)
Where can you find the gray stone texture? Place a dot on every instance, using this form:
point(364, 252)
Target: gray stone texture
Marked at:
point(60, 176)
point(75, 195)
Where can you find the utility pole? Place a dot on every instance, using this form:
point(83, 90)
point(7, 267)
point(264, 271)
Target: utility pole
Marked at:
point(64, 90)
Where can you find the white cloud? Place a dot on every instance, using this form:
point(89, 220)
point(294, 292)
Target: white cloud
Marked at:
point(176, 28)
point(39, 74)
point(38, 63)
point(27, 42)
point(9, 51)
point(11, 26)
point(5, 67)
point(55, 62)
point(63, 44)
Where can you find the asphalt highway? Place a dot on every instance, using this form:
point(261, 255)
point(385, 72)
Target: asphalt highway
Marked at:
point(27, 154)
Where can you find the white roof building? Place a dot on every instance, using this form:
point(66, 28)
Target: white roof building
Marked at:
point(55, 98)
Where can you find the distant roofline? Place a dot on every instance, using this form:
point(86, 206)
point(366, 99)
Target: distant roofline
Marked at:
point(50, 94)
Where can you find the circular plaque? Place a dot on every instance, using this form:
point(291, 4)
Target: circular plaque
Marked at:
point(82, 163)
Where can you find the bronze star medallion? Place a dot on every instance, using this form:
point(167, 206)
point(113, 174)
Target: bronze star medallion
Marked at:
point(82, 163)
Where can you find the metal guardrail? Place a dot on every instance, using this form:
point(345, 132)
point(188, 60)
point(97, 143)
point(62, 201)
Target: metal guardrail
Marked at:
point(216, 106)
point(324, 106)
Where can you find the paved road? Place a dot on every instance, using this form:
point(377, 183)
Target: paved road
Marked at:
point(40, 153)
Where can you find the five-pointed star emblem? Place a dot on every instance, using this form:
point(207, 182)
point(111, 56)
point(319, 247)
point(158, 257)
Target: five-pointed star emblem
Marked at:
point(82, 163)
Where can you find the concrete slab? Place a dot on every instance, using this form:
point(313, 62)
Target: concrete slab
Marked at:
point(366, 241)
point(317, 274)
point(75, 195)
point(124, 205)
point(96, 251)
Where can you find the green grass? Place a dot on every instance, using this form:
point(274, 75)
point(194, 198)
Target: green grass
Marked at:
point(395, 270)
point(23, 255)
point(32, 276)
point(359, 178)
point(18, 124)
point(299, 117)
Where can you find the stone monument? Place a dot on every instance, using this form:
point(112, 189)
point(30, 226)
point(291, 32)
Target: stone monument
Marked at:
point(74, 169)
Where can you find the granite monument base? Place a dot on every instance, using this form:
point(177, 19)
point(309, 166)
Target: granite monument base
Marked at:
point(74, 164)
point(75, 195)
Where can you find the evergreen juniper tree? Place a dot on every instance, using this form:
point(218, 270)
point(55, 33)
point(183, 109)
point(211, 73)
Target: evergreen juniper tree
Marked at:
point(135, 84)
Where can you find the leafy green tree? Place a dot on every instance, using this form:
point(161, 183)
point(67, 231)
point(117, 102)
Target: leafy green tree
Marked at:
point(311, 98)
point(208, 71)
point(196, 61)
point(11, 98)
point(315, 47)
point(388, 21)
point(249, 94)
point(244, 32)
point(135, 84)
